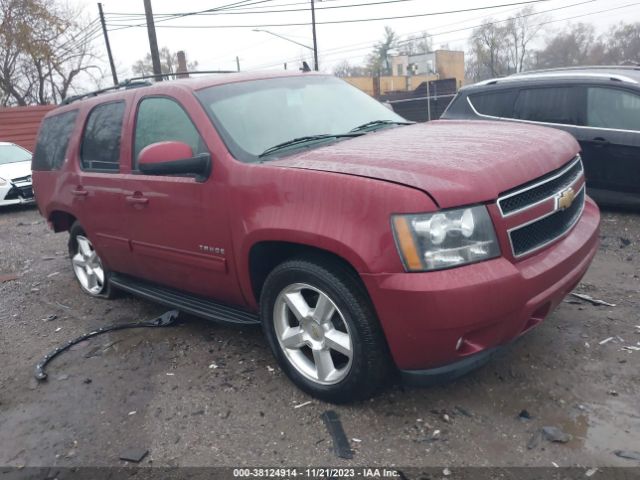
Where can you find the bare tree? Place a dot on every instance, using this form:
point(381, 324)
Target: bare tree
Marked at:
point(501, 48)
point(345, 69)
point(577, 45)
point(417, 44)
point(522, 29)
point(622, 44)
point(488, 53)
point(168, 63)
point(44, 48)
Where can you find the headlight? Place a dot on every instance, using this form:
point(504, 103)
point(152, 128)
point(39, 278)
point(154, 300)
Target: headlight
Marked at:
point(445, 239)
point(2, 182)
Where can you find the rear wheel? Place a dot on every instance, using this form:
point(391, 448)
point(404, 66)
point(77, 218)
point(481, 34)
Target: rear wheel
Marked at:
point(323, 331)
point(87, 265)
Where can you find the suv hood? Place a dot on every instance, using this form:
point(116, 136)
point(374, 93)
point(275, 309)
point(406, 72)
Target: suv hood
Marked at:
point(455, 162)
point(9, 171)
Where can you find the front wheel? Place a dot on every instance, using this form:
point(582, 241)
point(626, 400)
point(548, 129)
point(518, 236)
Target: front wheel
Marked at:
point(323, 331)
point(87, 265)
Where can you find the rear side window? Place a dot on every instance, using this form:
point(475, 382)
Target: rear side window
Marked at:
point(101, 140)
point(53, 141)
point(549, 105)
point(613, 108)
point(496, 104)
point(162, 119)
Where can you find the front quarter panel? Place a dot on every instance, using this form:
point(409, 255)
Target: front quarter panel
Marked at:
point(343, 214)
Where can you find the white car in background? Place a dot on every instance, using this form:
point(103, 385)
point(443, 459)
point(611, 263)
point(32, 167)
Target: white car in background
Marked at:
point(15, 175)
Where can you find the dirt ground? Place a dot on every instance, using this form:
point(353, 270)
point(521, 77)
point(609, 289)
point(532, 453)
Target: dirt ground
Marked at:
point(200, 394)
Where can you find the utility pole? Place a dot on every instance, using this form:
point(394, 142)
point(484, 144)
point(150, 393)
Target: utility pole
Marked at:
point(428, 101)
point(238, 62)
point(153, 41)
point(106, 41)
point(315, 40)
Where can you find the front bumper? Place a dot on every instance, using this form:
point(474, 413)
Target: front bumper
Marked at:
point(435, 319)
point(16, 194)
point(449, 372)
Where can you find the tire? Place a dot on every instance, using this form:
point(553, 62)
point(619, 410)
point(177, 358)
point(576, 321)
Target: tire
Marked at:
point(343, 329)
point(86, 265)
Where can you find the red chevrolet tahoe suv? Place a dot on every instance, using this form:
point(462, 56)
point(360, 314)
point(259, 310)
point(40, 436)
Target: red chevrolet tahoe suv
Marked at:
point(361, 243)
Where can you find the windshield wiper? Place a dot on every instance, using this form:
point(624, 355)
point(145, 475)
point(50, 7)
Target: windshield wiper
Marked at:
point(306, 139)
point(375, 123)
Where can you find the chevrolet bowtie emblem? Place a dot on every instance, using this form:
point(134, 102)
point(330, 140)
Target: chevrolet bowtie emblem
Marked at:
point(565, 199)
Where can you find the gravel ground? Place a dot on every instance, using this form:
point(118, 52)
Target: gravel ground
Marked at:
point(200, 394)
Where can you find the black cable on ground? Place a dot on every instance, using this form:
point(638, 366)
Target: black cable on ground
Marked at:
point(166, 319)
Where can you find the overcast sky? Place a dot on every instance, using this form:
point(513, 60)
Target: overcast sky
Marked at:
point(217, 48)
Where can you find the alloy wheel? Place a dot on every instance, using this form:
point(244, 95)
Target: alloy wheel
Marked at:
point(313, 334)
point(88, 266)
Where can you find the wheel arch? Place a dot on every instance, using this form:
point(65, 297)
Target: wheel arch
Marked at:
point(266, 255)
point(61, 221)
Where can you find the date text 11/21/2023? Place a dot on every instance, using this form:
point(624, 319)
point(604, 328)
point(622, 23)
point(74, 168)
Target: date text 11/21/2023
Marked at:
point(315, 473)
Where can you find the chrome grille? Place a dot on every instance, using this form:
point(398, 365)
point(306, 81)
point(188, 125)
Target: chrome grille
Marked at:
point(563, 186)
point(542, 231)
point(541, 189)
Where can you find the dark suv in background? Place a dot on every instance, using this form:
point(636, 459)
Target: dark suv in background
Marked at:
point(599, 106)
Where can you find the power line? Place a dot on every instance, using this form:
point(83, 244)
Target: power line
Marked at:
point(222, 7)
point(534, 25)
point(89, 26)
point(282, 5)
point(199, 12)
point(239, 7)
point(82, 36)
point(369, 45)
point(253, 12)
point(252, 45)
point(79, 41)
point(333, 22)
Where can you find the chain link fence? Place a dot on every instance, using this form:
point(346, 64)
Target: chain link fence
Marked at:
point(421, 109)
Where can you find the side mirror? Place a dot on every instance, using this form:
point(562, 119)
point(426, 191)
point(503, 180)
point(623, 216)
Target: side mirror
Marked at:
point(173, 158)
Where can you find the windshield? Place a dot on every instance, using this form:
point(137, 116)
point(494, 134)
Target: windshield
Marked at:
point(254, 116)
point(13, 153)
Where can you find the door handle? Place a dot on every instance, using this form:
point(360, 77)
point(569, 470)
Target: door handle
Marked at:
point(136, 200)
point(80, 192)
point(600, 142)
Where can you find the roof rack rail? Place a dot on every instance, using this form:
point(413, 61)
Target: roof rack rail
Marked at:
point(122, 85)
point(137, 82)
point(579, 67)
point(614, 76)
